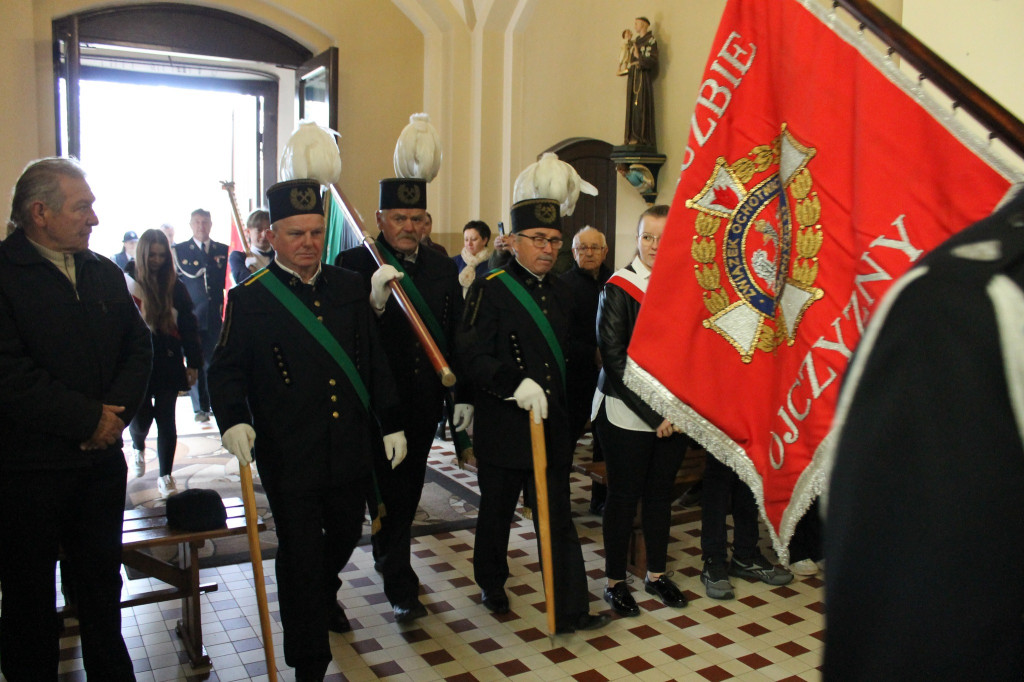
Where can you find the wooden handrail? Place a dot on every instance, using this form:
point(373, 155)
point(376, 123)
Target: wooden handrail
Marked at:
point(1000, 123)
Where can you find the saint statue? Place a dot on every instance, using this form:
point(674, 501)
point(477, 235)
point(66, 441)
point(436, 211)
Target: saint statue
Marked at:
point(639, 85)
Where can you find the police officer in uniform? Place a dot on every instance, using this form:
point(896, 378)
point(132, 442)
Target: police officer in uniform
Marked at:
point(278, 388)
point(515, 369)
point(401, 217)
point(202, 267)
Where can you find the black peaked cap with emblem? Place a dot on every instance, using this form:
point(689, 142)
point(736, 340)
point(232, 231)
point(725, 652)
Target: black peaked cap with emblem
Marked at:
point(294, 197)
point(403, 193)
point(531, 213)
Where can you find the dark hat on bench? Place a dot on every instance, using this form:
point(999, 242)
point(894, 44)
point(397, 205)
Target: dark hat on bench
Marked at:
point(196, 509)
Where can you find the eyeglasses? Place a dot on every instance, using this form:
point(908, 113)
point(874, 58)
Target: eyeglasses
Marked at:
point(650, 238)
point(540, 242)
point(589, 249)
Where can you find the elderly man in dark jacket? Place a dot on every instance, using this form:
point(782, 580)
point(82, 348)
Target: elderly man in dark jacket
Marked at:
point(585, 281)
point(438, 299)
point(512, 341)
point(299, 374)
point(74, 362)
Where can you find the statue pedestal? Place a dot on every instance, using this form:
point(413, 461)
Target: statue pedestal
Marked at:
point(639, 164)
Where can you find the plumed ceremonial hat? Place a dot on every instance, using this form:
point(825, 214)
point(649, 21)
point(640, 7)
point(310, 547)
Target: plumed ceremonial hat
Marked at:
point(403, 193)
point(294, 197)
point(531, 213)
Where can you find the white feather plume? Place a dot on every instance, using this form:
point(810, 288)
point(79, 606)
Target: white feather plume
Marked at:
point(311, 152)
point(418, 151)
point(550, 178)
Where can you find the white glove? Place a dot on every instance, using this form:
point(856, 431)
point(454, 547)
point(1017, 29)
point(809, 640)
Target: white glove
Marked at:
point(530, 396)
point(394, 443)
point(462, 416)
point(251, 261)
point(379, 290)
point(238, 440)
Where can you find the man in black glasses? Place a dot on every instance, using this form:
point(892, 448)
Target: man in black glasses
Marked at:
point(513, 346)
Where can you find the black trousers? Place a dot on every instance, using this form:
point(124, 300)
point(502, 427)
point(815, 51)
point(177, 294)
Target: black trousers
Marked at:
point(317, 531)
point(499, 494)
point(158, 406)
point(401, 489)
point(724, 492)
point(80, 511)
point(641, 467)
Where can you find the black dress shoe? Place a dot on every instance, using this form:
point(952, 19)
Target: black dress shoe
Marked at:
point(310, 673)
point(588, 621)
point(495, 600)
point(338, 621)
point(408, 611)
point(621, 601)
point(665, 590)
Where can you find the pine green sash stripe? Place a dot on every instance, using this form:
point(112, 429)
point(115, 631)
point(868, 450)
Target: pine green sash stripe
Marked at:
point(308, 320)
point(520, 292)
point(417, 299)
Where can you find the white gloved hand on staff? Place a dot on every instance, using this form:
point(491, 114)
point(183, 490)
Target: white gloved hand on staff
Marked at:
point(238, 440)
point(462, 416)
point(395, 447)
point(379, 289)
point(530, 396)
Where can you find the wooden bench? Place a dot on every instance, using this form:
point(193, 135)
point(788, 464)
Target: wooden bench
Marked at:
point(146, 528)
point(690, 471)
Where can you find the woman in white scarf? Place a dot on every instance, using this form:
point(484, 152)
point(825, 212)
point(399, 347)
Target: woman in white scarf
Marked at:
point(472, 262)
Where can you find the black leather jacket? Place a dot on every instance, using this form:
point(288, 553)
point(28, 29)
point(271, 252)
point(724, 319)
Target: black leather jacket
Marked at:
point(616, 317)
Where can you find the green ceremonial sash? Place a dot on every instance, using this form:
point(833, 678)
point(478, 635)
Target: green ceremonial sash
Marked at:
point(520, 292)
point(417, 299)
point(308, 320)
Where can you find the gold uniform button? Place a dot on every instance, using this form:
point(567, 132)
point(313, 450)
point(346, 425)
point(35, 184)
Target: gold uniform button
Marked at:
point(316, 303)
point(287, 381)
point(335, 415)
point(332, 382)
point(320, 318)
point(334, 398)
point(195, 263)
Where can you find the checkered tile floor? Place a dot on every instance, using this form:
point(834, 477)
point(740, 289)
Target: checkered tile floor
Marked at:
point(764, 634)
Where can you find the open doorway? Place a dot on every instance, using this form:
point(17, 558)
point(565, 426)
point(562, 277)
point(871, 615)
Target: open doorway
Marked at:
point(162, 102)
point(162, 151)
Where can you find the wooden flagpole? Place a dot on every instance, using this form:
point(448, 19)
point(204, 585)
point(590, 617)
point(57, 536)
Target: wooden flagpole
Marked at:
point(540, 477)
point(252, 530)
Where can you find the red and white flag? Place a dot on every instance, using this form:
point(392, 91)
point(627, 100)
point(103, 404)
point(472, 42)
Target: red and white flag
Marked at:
point(813, 178)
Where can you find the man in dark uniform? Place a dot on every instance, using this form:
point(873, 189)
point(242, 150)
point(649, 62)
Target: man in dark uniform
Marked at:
point(924, 537)
point(403, 203)
point(314, 415)
point(257, 225)
point(127, 252)
point(202, 266)
point(74, 363)
point(512, 343)
point(585, 281)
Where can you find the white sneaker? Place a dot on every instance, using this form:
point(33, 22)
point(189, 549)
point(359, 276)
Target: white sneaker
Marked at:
point(804, 567)
point(166, 486)
point(139, 463)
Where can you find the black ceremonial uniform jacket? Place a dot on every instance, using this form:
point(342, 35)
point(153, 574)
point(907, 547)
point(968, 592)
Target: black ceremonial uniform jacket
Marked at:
point(437, 280)
point(928, 476)
point(65, 351)
point(500, 345)
point(204, 277)
point(269, 371)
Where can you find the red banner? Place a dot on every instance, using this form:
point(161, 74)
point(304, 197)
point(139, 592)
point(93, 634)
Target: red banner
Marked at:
point(812, 180)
